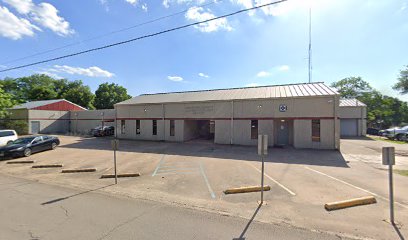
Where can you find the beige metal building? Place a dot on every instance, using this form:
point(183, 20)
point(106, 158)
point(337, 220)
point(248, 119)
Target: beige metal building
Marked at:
point(301, 115)
point(353, 118)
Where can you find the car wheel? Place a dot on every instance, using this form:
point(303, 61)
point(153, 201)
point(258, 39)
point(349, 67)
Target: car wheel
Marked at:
point(27, 152)
point(398, 137)
point(53, 145)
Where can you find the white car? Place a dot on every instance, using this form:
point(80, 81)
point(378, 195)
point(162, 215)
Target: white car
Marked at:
point(395, 133)
point(7, 136)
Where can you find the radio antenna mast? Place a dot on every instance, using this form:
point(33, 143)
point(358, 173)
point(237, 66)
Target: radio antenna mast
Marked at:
point(310, 44)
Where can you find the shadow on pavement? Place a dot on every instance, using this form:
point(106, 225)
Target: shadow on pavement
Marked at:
point(241, 237)
point(401, 237)
point(74, 195)
point(287, 155)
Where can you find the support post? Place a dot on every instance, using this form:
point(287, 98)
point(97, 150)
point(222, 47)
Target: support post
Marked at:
point(388, 158)
point(262, 151)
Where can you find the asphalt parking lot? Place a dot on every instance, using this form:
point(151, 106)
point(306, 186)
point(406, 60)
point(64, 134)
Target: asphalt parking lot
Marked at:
point(195, 174)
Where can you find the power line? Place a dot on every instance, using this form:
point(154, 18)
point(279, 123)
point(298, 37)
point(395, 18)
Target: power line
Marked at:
point(142, 37)
point(106, 34)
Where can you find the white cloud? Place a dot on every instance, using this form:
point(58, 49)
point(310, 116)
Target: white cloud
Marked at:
point(50, 74)
point(105, 4)
point(144, 7)
point(275, 9)
point(175, 78)
point(22, 6)
point(133, 2)
point(283, 68)
point(90, 72)
point(245, 4)
point(199, 14)
point(252, 85)
point(14, 27)
point(203, 75)
point(263, 74)
point(166, 3)
point(44, 14)
point(404, 6)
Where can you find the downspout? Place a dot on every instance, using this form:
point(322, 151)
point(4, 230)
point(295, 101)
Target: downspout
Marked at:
point(232, 123)
point(164, 123)
point(116, 122)
point(335, 123)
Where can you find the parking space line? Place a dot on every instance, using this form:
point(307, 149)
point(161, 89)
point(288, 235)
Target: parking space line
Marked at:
point(206, 181)
point(158, 165)
point(176, 170)
point(273, 180)
point(354, 186)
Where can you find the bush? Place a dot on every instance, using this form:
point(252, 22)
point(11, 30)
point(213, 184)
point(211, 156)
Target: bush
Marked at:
point(20, 126)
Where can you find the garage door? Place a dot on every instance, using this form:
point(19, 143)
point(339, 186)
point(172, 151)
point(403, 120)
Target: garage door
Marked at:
point(348, 127)
point(35, 127)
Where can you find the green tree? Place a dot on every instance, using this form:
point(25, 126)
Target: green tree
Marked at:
point(37, 87)
point(6, 101)
point(109, 94)
point(78, 93)
point(42, 87)
point(402, 84)
point(352, 87)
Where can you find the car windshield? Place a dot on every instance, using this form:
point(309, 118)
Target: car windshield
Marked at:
point(23, 140)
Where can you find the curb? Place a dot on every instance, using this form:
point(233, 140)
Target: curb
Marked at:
point(78, 170)
point(123, 175)
point(247, 189)
point(17, 162)
point(48, 166)
point(350, 203)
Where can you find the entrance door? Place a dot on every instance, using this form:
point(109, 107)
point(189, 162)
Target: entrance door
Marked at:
point(35, 127)
point(283, 132)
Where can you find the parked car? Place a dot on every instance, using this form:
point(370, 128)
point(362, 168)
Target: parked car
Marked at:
point(395, 133)
point(103, 131)
point(7, 136)
point(404, 137)
point(24, 147)
point(373, 131)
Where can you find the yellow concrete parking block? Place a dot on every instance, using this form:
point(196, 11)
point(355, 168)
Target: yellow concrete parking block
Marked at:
point(79, 170)
point(122, 175)
point(246, 189)
point(20, 162)
point(48, 166)
point(350, 203)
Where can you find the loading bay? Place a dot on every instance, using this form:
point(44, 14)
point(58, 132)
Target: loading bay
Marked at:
point(195, 174)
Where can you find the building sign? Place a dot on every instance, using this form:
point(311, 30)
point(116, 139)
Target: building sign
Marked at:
point(201, 109)
point(283, 108)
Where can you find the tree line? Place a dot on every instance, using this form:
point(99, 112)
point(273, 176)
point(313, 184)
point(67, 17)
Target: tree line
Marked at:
point(382, 111)
point(37, 87)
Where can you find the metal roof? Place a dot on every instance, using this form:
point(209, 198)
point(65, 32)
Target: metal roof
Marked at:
point(351, 102)
point(35, 104)
point(273, 91)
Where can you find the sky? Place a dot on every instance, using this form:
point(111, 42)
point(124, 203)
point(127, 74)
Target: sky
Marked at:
point(266, 46)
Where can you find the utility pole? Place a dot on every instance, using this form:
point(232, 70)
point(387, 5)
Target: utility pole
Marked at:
point(310, 44)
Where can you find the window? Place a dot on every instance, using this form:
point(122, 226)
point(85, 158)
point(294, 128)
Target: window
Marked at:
point(6, 133)
point(254, 129)
point(172, 127)
point(137, 127)
point(316, 130)
point(154, 127)
point(122, 126)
